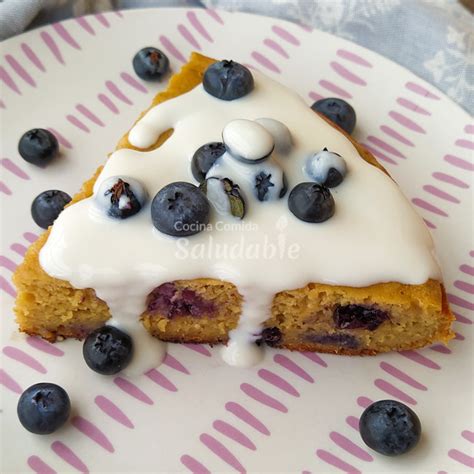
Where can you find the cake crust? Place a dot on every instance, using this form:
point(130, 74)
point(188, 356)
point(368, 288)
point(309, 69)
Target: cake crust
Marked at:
point(304, 317)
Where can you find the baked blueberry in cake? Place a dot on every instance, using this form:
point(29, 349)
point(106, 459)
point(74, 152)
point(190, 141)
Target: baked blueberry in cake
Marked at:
point(232, 213)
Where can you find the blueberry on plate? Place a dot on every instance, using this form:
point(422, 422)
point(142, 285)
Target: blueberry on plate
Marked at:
point(43, 408)
point(280, 132)
point(204, 158)
point(338, 111)
point(47, 206)
point(107, 350)
point(150, 64)
point(180, 209)
point(38, 146)
point(227, 80)
point(311, 202)
point(390, 427)
point(121, 196)
point(326, 168)
point(247, 141)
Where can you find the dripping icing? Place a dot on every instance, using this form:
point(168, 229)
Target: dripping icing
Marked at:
point(125, 261)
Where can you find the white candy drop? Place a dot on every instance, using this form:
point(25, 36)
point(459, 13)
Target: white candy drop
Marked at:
point(247, 140)
point(280, 132)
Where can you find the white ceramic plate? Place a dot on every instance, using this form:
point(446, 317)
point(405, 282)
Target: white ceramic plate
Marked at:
point(296, 412)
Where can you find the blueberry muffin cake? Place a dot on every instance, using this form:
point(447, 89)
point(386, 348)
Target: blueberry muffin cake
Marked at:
point(231, 213)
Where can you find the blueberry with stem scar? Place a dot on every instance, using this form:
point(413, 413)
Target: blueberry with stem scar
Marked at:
point(43, 408)
point(107, 350)
point(150, 64)
point(204, 158)
point(180, 209)
point(38, 146)
point(311, 202)
point(121, 196)
point(227, 80)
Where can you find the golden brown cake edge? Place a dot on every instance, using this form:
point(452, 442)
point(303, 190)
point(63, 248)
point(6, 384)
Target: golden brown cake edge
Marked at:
point(30, 271)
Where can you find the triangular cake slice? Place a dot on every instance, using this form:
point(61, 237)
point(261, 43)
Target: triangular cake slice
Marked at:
point(363, 281)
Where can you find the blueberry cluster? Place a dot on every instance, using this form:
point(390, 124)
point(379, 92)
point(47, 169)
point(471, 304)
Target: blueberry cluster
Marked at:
point(44, 407)
point(246, 149)
point(313, 201)
point(179, 209)
point(251, 144)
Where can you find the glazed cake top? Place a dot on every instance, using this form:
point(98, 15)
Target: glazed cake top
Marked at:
point(374, 235)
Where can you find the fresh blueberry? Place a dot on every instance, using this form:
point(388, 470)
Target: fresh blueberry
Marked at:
point(121, 196)
point(43, 408)
point(280, 132)
point(107, 350)
point(150, 64)
point(247, 141)
point(204, 157)
point(38, 146)
point(225, 196)
point(338, 111)
point(355, 316)
point(180, 209)
point(326, 168)
point(311, 202)
point(390, 427)
point(47, 206)
point(227, 80)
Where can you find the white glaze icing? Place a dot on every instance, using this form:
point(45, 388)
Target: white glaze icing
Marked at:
point(375, 235)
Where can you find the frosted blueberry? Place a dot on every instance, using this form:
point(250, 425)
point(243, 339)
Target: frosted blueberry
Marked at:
point(225, 196)
point(121, 196)
point(326, 168)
